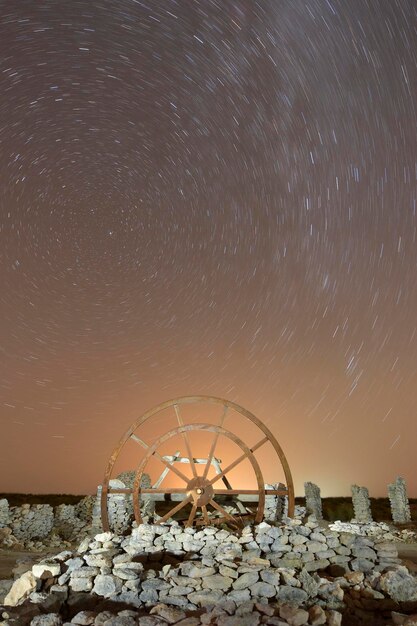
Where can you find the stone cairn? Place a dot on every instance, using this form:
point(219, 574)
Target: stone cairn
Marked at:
point(400, 508)
point(313, 500)
point(361, 504)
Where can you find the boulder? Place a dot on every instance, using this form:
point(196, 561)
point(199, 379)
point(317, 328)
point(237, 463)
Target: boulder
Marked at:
point(262, 590)
point(50, 619)
point(399, 584)
point(107, 585)
point(294, 616)
point(317, 615)
point(245, 580)
point(84, 618)
point(291, 595)
point(206, 597)
point(169, 613)
point(21, 589)
point(217, 581)
point(46, 570)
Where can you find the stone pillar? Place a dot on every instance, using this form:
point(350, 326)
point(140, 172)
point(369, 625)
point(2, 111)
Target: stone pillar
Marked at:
point(120, 505)
point(400, 508)
point(361, 504)
point(274, 505)
point(147, 504)
point(280, 505)
point(96, 525)
point(313, 500)
point(4, 513)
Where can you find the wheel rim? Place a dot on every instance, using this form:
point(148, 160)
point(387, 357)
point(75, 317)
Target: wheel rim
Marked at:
point(288, 490)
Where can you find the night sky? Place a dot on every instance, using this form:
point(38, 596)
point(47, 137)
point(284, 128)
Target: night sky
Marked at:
point(208, 197)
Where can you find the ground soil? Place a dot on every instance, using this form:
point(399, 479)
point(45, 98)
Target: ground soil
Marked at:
point(407, 552)
point(10, 558)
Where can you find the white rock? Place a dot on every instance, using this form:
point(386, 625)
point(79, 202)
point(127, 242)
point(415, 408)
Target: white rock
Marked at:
point(46, 570)
point(21, 589)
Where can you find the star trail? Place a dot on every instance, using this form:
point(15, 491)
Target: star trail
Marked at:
point(208, 197)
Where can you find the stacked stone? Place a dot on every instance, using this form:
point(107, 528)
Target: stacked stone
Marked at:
point(376, 530)
point(313, 500)
point(222, 615)
point(7, 540)
point(66, 523)
point(84, 508)
point(361, 504)
point(274, 505)
point(120, 505)
point(119, 508)
point(372, 593)
point(147, 505)
point(400, 508)
point(4, 513)
point(270, 573)
point(264, 562)
point(96, 524)
point(31, 522)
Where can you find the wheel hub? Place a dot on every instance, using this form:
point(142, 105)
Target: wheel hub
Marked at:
point(201, 490)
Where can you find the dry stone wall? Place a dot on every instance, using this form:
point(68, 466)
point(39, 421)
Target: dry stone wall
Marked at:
point(67, 524)
point(84, 508)
point(119, 507)
point(34, 526)
point(31, 521)
point(37, 526)
point(289, 574)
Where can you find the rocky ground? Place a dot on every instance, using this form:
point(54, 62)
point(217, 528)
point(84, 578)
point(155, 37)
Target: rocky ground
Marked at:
point(287, 574)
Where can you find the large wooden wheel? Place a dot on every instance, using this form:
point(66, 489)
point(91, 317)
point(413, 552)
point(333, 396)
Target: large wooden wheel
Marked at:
point(199, 491)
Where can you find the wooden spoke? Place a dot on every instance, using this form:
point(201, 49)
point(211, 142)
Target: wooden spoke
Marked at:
point(225, 514)
point(174, 510)
point(139, 441)
point(161, 458)
point(166, 470)
point(214, 443)
point(186, 441)
point(219, 471)
point(192, 515)
point(171, 467)
point(205, 514)
point(238, 460)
